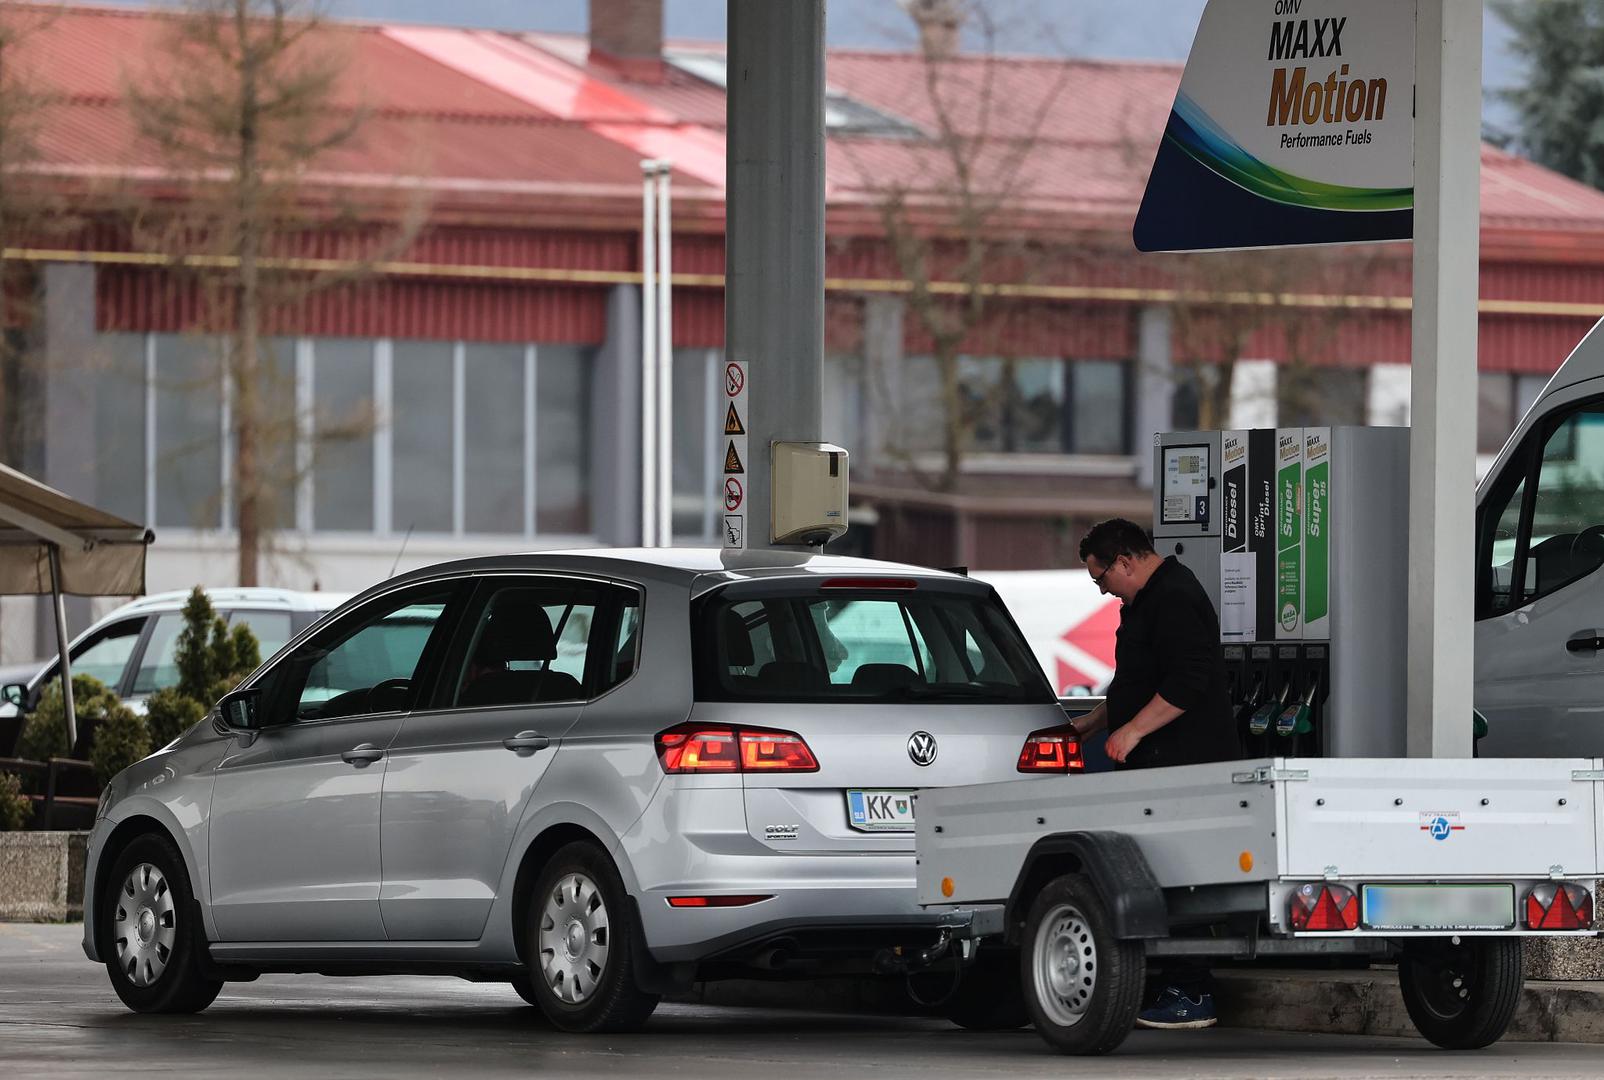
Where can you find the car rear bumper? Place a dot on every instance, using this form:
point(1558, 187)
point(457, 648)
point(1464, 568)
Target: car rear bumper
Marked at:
point(693, 842)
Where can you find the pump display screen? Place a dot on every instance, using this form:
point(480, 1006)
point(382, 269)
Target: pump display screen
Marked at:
point(1186, 486)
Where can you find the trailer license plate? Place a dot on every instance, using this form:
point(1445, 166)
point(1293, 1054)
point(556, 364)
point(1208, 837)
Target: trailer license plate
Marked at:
point(880, 811)
point(1438, 907)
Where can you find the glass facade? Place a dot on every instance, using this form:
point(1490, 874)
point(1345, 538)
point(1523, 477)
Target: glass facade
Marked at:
point(358, 436)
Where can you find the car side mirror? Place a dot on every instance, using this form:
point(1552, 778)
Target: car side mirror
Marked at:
point(14, 694)
point(241, 710)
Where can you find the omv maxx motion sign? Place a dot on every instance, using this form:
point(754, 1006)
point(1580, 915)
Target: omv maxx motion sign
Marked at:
point(1293, 125)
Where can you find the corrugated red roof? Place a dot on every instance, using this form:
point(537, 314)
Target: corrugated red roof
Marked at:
point(487, 116)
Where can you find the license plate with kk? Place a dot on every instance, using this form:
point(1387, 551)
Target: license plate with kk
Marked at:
point(880, 811)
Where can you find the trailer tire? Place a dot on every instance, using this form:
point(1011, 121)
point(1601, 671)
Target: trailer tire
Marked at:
point(1083, 986)
point(1462, 997)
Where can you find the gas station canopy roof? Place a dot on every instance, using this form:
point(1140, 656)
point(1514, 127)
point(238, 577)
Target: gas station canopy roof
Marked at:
point(101, 554)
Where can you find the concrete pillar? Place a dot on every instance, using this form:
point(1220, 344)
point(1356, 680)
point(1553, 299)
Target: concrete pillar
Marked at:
point(774, 262)
point(1155, 386)
point(615, 465)
point(1442, 436)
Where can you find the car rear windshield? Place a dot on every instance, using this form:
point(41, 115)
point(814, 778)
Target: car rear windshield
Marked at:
point(917, 646)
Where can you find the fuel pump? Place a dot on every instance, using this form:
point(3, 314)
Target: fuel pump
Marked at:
point(1283, 526)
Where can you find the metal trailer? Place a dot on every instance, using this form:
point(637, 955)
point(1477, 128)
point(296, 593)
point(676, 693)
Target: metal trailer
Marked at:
point(1441, 866)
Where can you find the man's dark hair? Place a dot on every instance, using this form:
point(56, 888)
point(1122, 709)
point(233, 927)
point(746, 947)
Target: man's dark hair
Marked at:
point(1110, 539)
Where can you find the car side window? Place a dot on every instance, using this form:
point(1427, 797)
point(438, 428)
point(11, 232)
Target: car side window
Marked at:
point(1542, 526)
point(541, 640)
point(272, 629)
point(367, 663)
point(1566, 542)
point(623, 646)
point(525, 643)
point(106, 656)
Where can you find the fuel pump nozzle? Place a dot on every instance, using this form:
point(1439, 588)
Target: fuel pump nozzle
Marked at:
point(1294, 719)
point(1266, 713)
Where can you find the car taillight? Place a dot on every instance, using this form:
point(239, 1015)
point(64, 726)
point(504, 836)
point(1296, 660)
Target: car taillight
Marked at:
point(1556, 906)
point(1324, 907)
point(697, 748)
point(1052, 750)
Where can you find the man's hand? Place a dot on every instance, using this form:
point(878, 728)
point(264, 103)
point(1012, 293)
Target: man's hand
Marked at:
point(1121, 743)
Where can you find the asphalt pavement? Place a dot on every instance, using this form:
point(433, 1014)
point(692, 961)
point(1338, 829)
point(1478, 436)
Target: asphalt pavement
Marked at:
point(59, 1018)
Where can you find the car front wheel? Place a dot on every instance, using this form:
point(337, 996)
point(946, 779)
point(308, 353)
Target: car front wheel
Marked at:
point(151, 942)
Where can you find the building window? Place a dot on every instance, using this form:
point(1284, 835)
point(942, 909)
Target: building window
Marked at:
point(421, 437)
point(342, 424)
point(358, 436)
point(1099, 407)
point(493, 439)
point(562, 449)
point(120, 426)
point(188, 432)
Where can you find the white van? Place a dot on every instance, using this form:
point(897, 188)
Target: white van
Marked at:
point(1539, 596)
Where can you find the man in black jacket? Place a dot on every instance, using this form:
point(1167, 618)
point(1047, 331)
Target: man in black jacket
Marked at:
point(1168, 703)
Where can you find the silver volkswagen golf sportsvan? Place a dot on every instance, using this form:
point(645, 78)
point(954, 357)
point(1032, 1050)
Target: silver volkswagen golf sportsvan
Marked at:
point(598, 776)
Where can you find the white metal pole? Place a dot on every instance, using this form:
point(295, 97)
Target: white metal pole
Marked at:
point(648, 365)
point(1442, 445)
point(57, 606)
point(665, 361)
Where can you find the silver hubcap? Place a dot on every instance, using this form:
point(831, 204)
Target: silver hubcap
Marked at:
point(1065, 965)
point(574, 939)
point(144, 925)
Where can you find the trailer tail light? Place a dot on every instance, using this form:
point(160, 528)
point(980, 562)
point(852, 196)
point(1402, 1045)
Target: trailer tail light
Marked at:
point(1324, 908)
point(1556, 906)
point(1052, 750)
point(697, 748)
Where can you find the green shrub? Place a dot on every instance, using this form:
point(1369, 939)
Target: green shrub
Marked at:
point(15, 809)
point(44, 735)
point(212, 657)
point(121, 739)
point(168, 714)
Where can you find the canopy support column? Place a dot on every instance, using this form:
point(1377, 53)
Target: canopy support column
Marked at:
point(59, 607)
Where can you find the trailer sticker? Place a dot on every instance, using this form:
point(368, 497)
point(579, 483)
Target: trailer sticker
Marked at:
point(1441, 824)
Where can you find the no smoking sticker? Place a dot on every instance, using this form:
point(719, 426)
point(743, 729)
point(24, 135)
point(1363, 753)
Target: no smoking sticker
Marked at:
point(734, 379)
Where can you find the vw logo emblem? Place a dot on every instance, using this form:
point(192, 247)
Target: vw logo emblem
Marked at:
point(922, 748)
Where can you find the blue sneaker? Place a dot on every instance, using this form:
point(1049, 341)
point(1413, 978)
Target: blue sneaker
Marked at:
point(1176, 1011)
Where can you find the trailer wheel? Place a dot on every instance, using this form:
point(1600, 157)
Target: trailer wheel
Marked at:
point(1462, 996)
point(1083, 986)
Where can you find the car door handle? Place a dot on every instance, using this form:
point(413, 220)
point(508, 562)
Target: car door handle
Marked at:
point(363, 755)
point(1586, 641)
point(526, 743)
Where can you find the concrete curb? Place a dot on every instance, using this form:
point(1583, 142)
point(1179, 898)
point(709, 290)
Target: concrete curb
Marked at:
point(1318, 1002)
point(1369, 1003)
point(42, 876)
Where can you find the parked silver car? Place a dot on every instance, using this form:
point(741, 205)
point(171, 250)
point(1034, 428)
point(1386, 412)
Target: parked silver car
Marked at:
point(597, 776)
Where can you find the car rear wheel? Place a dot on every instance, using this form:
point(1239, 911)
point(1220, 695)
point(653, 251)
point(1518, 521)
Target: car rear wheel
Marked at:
point(1083, 986)
point(150, 938)
point(579, 940)
point(1462, 996)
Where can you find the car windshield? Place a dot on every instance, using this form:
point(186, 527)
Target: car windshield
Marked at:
point(915, 646)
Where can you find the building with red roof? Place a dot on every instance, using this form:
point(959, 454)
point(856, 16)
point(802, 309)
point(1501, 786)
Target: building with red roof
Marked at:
point(496, 350)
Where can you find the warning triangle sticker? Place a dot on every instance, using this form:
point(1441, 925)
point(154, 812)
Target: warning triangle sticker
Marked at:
point(732, 422)
point(732, 461)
